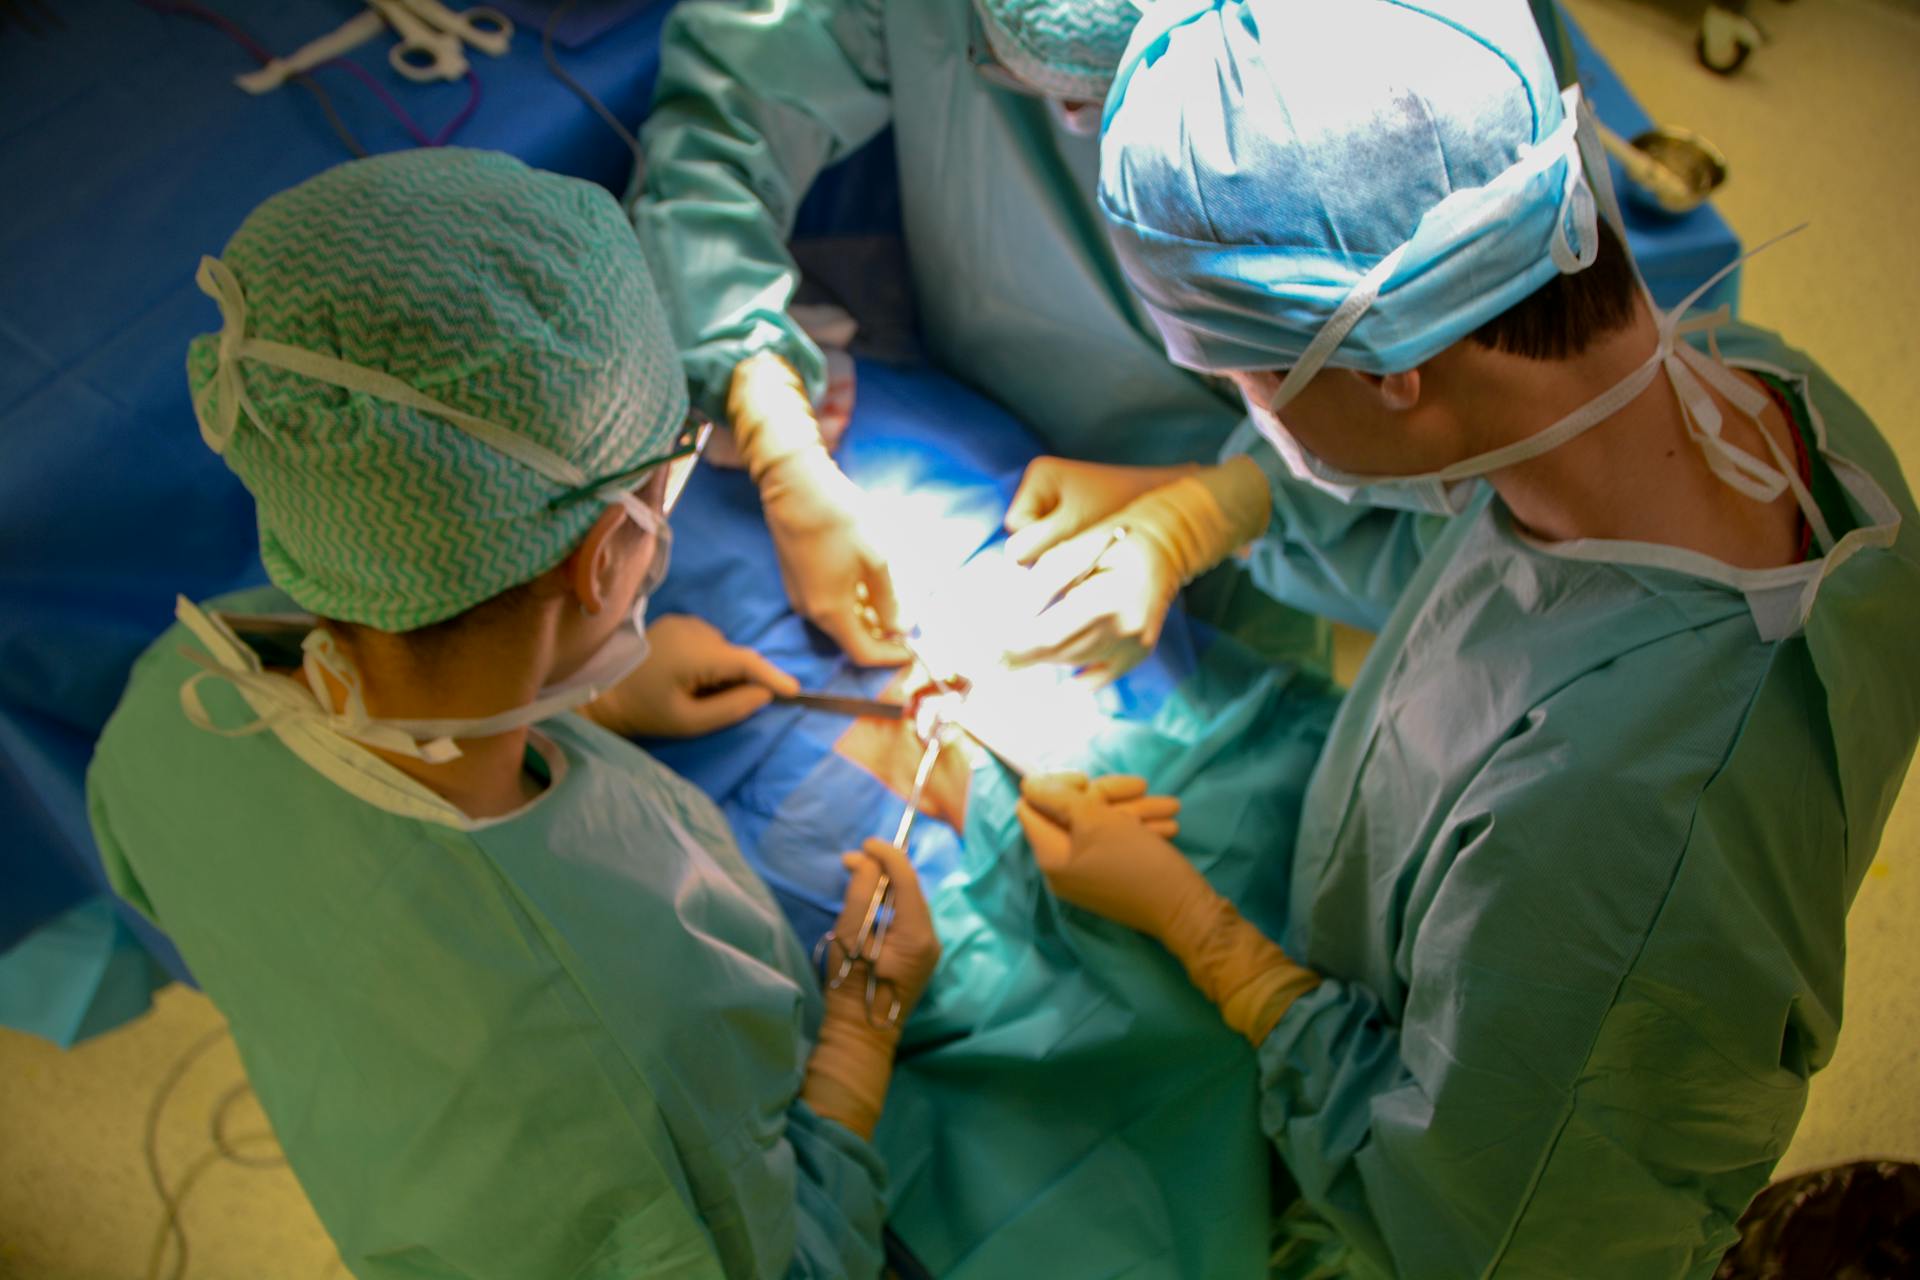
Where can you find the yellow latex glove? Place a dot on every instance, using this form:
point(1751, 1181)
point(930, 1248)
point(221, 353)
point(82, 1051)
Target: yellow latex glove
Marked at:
point(852, 1061)
point(1175, 532)
point(834, 573)
point(1059, 497)
point(1104, 859)
point(693, 682)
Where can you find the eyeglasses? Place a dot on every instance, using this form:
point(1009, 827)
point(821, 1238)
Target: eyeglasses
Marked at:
point(991, 69)
point(689, 442)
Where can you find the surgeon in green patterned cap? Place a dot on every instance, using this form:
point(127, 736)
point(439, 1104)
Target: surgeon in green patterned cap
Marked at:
point(511, 998)
point(994, 105)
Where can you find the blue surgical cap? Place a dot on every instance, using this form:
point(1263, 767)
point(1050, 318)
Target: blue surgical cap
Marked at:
point(1266, 164)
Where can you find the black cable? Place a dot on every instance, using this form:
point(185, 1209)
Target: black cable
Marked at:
point(228, 1147)
point(171, 1225)
point(585, 94)
point(325, 100)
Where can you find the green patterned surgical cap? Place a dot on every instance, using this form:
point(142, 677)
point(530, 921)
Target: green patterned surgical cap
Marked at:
point(1067, 49)
point(509, 347)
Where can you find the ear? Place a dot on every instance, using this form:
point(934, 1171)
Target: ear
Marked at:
point(589, 571)
point(1398, 392)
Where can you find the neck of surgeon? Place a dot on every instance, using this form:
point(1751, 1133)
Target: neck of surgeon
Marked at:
point(468, 671)
point(1637, 476)
point(1634, 476)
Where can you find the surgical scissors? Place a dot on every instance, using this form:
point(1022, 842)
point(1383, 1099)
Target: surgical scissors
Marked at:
point(433, 37)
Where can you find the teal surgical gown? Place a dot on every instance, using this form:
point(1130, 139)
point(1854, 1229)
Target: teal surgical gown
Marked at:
point(1017, 288)
point(565, 1044)
point(1576, 863)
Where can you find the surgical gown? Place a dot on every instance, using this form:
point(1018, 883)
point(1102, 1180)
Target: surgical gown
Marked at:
point(1576, 863)
point(1017, 288)
point(568, 1043)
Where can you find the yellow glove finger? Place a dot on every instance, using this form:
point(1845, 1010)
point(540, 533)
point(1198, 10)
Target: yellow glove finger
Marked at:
point(1116, 787)
point(736, 664)
point(863, 873)
point(710, 712)
point(1052, 843)
point(874, 592)
point(1071, 642)
point(1037, 539)
point(1149, 808)
point(894, 861)
point(849, 630)
point(1069, 559)
point(1121, 658)
point(1054, 795)
point(1037, 496)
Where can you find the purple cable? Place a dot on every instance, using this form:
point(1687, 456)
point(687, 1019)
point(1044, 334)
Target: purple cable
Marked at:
point(233, 29)
point(399, 112)
point(260, 54)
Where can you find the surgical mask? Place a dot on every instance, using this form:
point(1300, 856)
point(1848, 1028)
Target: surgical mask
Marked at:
point(1424, 494)
point(326, 668)
point(1082, 119)
point(1691, 372)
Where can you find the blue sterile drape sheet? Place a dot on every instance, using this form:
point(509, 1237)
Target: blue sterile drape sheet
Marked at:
point(127, 154)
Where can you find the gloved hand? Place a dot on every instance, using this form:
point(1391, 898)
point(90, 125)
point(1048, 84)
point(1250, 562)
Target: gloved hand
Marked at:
point(1175, 532)
point(693, 682)
point(834, 573)
point(1123, 793)
point(1097, 854)
point(852, 1062)
point(1104, 859)
point(1059, 497)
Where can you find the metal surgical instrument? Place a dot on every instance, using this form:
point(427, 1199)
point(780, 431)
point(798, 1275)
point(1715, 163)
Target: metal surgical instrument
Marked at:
point(846, 705)
point(872, 935)
point(1119, 532)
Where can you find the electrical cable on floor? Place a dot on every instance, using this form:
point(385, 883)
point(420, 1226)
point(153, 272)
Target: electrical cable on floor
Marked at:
point(228, 1147)
point(585, 94)
point(170, 1222)
point(225, 1149)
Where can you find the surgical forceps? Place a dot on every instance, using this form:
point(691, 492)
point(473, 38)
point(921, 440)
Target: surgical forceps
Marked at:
point(872, 935)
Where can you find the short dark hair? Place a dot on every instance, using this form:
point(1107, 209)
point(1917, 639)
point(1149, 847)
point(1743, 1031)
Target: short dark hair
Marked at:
point(1564, 316)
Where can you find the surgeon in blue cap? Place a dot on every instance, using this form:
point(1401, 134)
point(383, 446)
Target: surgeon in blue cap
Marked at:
point(1569, 889)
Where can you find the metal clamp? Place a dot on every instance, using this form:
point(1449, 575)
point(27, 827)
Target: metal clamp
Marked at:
point(875, 984)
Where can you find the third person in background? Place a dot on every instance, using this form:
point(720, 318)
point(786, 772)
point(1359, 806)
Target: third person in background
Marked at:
point(994, 105)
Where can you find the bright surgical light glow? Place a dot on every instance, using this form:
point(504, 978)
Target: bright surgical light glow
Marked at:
point(968, 599)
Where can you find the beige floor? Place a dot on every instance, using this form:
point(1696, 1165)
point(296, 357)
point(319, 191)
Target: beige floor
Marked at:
point(1816, 127)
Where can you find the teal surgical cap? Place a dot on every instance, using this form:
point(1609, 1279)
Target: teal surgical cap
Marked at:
point(1361, 182)
point(427, 362)
point(1067, 49)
